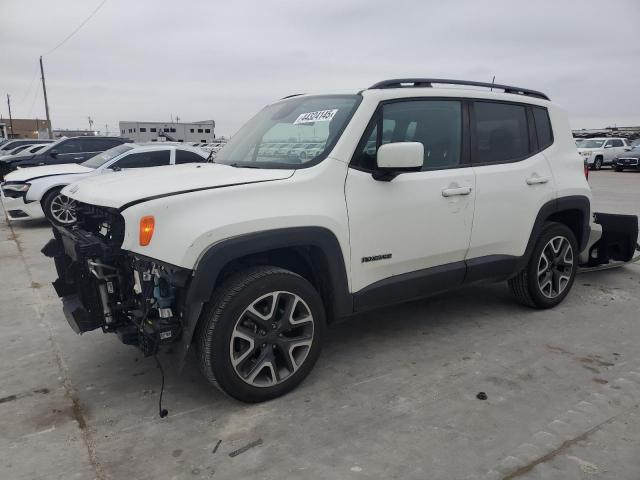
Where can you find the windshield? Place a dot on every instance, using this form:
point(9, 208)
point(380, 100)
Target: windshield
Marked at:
point(104, 157)
point(275, 137)
point(592, 144)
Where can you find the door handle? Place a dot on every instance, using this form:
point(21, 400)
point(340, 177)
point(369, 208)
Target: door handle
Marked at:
point(450, 192)
point(537, 180)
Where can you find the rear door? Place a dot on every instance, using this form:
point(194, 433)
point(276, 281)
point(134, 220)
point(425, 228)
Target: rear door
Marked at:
point(409, 236)
point(513, 181)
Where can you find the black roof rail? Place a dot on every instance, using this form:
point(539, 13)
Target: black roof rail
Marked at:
point(294, 95)
point(428, 82)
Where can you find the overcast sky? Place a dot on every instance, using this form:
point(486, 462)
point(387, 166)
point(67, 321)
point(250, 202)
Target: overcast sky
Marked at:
point(148, 60)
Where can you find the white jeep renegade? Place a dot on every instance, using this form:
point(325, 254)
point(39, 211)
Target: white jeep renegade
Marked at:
point(414, 189)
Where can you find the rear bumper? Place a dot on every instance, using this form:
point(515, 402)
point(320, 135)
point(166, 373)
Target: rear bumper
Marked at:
point(617, 240)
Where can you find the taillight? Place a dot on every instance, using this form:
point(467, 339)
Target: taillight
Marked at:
point(586, 170)
point(147, 225)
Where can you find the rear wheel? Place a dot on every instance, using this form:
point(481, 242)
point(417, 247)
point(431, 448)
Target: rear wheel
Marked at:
point(261, 334)
point(58, 208)
point(549, 275)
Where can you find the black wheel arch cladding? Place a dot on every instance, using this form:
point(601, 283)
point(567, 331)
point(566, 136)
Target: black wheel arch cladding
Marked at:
point(212, 263)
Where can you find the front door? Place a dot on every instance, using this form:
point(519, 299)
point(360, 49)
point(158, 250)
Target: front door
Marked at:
point(409, 236)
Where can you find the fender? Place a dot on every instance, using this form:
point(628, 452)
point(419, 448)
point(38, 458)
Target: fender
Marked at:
point(561, 204)
point(211, 263)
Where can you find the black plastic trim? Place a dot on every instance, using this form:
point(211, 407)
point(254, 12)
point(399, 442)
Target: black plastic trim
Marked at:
point(572, 202)
point(491, 267)
point(410, 286)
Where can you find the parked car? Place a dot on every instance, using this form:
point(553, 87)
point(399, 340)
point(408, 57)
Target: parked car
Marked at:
point(247, 259)
point(32, 149)
point(65, 150)
point(598, 152)
point(34, 192)
point(17, 150)
point(6, 147)
point(628, 160)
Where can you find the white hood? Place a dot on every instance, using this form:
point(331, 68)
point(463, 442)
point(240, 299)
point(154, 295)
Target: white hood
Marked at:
point(26, 174)
point(580, 150)
point(120, 188)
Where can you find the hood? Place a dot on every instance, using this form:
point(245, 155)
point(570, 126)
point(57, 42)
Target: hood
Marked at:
point(26, 174)
point(580, 149)
point(133, 186)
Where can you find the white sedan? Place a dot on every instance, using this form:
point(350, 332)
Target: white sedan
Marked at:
point(35, 192)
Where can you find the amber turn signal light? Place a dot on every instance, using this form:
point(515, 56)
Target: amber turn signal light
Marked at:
point(147, 224)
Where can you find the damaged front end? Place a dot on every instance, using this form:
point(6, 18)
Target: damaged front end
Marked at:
point(103, 286)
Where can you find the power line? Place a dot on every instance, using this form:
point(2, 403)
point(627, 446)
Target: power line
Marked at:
point(28, 91)
point(76, 30)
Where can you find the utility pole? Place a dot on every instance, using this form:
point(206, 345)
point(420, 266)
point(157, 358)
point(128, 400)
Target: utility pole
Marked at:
point(46, 102)
point(10, 117)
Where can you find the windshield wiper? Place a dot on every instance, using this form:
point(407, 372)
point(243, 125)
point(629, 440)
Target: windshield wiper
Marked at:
point(241, 165)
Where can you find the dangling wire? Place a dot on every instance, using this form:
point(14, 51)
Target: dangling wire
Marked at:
point(163, 412)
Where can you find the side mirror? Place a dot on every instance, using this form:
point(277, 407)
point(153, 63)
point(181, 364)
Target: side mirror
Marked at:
point(608, 146)
point(115, 168)
point(53, 153)
point(395, 158)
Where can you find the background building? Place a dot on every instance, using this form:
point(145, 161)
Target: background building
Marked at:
point(202, 132)
point(25, 128)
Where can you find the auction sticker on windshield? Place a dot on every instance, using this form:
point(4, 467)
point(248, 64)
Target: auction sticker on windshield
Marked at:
point(319, 116)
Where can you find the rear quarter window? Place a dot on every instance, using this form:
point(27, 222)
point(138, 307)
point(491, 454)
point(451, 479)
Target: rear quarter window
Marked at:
point(543, 127)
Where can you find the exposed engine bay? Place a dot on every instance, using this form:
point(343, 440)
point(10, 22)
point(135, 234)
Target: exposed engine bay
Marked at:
point(102, 286)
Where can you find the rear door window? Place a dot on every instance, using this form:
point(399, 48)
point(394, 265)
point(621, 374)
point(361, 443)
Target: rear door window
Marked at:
point(501, 132)
point(156, 158)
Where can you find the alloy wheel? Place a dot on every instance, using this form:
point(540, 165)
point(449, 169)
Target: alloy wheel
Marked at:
point(555, 267)
point(63, 209)
point(271, 339)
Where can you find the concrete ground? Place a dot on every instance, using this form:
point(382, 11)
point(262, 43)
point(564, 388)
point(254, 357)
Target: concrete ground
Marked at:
point(394, 394)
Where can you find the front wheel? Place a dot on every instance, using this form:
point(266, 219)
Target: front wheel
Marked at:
point(618, 169)
point(261, 334)
point(549, 275)
point(58, 208)
point(597, 164)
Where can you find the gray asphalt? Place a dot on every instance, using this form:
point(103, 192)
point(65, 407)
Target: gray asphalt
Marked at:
point(394, 394)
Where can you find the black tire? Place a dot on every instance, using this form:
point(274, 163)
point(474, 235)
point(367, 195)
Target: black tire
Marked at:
point(618, 169)
point(526, 285)
point(223, 314)
point(48, 202)
point(597, 163)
